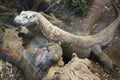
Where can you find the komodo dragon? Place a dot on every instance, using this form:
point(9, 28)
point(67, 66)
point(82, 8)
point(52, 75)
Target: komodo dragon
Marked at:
point(82, 45)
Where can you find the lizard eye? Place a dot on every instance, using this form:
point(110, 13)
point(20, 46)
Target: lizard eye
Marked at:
point(30, 17)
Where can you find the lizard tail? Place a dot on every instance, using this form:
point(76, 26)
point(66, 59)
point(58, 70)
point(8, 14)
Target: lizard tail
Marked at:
point(105, 36)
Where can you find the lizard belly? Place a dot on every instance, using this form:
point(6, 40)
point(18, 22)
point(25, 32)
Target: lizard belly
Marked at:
point(84, 53)
point(81, 52)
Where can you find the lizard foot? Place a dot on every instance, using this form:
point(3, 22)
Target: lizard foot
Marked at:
point(111, 69)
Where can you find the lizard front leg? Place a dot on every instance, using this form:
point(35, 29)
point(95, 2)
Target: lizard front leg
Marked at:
point(55, 52)
point(106, 61)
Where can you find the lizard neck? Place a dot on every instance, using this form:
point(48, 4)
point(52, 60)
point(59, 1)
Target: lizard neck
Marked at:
point(53, 32)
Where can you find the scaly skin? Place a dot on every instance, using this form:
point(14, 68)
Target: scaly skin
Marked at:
point(82, 45)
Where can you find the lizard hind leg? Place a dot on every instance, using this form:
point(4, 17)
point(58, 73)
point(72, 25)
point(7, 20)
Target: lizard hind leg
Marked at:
point(104, 59)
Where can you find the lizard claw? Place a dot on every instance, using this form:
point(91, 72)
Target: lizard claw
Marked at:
point(108, 69)
point(116, 68)
point(111, 70)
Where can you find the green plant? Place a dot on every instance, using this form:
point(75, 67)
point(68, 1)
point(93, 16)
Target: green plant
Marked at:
point(80, 6)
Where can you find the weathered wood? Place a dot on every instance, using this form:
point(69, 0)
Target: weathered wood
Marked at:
point(11, 44)
point(33, 60)
point(76, 69)
point(12, 50)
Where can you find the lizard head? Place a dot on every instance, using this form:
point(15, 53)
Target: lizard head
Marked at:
point(27, 18)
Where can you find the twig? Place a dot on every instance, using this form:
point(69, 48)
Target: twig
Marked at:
point(51, 17)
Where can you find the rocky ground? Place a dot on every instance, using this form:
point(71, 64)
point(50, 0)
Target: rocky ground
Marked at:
point(10, 72)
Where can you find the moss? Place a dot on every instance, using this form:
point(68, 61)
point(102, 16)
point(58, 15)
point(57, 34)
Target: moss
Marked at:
point(79, 6)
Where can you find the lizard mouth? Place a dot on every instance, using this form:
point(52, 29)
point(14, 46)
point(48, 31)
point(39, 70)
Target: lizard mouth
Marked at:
point(22, 23)
point(29, 24)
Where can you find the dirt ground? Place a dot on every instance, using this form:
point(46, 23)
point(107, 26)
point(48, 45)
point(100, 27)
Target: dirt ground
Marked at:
point(71, 22)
